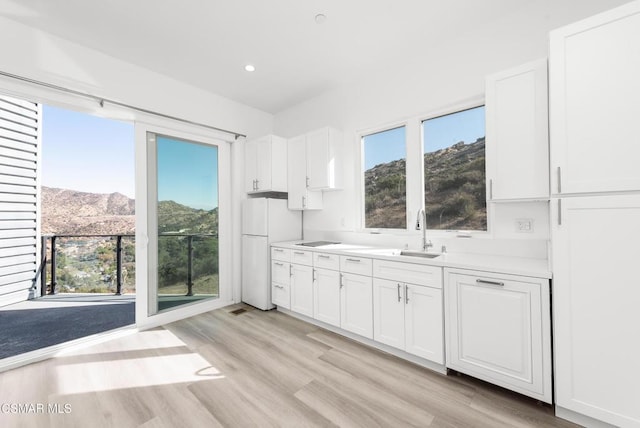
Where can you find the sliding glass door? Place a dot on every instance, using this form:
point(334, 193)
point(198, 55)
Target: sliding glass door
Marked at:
point(186, 210)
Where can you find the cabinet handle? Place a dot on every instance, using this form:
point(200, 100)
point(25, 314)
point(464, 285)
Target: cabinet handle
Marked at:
point(406, 294)
point(313, 275)
point(304, 202)
point(484, 281)
point(290, 270)
point(280, 287)
point(341, 280)
point(257, 185)
point(278, 264)
point(354, 260)
point(399, 297)
point(491, 189)
point(323, 256)
point(559, 180)
point(300, 253)
point(559, 212)
point(254, 184)
point(307, 181)
point(279, 250)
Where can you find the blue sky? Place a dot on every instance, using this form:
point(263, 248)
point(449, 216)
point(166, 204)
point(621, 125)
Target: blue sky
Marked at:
point(187, 173)
point(87, 153)
point(438, 133)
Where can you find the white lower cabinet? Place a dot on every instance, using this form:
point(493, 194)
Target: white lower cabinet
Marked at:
point(280, 283)
point(302, 289)
point(326, 296)
point(423, 323)
point(356, 304)
point(498, 330)
point(409, 317)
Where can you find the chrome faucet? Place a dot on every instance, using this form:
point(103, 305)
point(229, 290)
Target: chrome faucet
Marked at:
point(421, 224)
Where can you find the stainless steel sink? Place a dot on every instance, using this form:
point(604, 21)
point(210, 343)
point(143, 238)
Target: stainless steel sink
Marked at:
point(419, 254)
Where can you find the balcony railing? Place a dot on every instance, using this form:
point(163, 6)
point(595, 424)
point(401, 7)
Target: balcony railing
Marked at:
point(98, 248)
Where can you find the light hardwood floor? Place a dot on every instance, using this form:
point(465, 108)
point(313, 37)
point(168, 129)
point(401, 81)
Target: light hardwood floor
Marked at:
point(256, 368)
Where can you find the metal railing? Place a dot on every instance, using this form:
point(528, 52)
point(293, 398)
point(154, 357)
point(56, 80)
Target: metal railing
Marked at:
point(49, 244)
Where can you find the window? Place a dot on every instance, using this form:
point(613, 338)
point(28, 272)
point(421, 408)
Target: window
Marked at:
point(385, 184)
point(454, 172)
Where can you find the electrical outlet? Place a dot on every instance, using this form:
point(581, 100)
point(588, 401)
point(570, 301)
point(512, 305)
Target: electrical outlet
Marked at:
point(524, 225)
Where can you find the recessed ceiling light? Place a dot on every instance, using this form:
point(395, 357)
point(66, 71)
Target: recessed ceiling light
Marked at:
point(320, 18)
point(249, 67)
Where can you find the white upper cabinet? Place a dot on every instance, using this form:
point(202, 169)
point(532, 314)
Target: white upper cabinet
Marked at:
point(594, 87)
point(266, 165)
point(300, 197)
point(517, 142)
point(324, 163)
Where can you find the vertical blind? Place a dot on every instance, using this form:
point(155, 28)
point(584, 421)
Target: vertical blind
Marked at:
point(19, 145)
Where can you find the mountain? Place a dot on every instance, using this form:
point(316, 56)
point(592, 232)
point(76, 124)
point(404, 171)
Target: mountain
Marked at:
point(177, 218)
point(81, 213)
point(67, 211)
point(454, 189)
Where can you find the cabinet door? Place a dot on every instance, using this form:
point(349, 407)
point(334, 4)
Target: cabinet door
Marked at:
point(596, 298)
point(594, 93)
point(297, 172)
point(318, 159)
point(495, 332)
point(424, 330)
point(250, 163)
point(517, 133)
point(356, 303)
point(326, 296)
point(302, 289)
point(388, 312)
point(263, 164)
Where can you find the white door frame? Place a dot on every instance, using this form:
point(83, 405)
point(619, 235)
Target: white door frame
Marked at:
point(146, 257)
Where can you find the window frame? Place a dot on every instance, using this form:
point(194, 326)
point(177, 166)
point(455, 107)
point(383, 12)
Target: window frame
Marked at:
point(362, 200)
point(452, 109)
point(415, 182)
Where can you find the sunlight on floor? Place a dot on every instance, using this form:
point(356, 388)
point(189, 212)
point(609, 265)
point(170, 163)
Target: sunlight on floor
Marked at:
point(92, 376)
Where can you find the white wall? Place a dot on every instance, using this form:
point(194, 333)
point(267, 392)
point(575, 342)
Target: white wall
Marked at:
point(33, 54)
point(428, 82)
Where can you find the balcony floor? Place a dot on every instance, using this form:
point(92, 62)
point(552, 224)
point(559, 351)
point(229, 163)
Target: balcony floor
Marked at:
point(51, 320)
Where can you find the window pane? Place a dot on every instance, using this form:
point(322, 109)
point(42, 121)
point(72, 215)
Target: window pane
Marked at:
point(187, 209)
point(385, 179)
point(454, 173)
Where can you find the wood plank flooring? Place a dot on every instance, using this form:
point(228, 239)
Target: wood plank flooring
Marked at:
point(253, 369)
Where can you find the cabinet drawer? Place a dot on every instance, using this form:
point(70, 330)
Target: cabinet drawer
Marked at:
point(326, 261)
point(412, 273)
point(280, 272)
point(357, 265)
point(280, 295)
point(283, 254)
point(302, 257)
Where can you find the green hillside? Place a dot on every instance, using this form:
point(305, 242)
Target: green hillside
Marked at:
point(454, 190)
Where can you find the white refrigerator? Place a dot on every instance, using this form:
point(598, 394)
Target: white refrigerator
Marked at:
point(264, 221)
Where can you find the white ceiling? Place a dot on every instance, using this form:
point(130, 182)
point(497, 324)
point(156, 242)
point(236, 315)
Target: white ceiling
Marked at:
point(208, 42)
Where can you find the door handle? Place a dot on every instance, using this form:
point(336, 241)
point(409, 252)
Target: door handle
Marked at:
point(484, 281)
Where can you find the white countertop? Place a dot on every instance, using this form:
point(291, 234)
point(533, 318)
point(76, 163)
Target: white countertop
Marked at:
point(538, 268)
